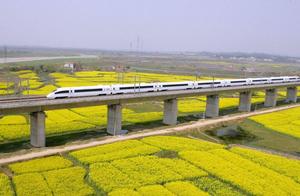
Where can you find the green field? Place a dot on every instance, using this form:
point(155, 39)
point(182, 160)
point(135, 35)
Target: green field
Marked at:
point(159, 165)
point(277, 131)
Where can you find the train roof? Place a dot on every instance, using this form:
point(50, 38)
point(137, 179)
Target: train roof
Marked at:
point(82, 87)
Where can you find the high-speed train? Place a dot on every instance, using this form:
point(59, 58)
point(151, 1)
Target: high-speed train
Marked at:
point(164, 86)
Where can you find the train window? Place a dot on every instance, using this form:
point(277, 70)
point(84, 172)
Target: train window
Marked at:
point(259, 80)
point(205, 83)
point(87, 90)
point(61, 92)
point(126, 88)
point(135, 87)
point(144, 86)
point(217, 82)
point(173, 85)
point(238, 81)
point(277, 79)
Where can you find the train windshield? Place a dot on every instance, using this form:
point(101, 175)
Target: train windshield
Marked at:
point(61, 92)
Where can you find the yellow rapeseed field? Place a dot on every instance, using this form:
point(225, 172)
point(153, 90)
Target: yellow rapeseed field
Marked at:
point(285, 121)
point(6, 188)
point(39, 165)
point(196, 168)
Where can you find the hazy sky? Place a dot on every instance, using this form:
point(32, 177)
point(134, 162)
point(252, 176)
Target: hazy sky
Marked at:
point(271, 26)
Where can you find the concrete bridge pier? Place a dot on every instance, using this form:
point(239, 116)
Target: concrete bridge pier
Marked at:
point(170, 112)
point(37, 129)
point(245, 101)
point(114, 119)
point(270, 98)
point(291, 94)
point(212, 106)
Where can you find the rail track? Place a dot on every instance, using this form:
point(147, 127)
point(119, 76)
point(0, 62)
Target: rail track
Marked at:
point(21, 99)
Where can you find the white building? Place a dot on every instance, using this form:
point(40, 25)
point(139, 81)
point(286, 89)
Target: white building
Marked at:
point(69, 65)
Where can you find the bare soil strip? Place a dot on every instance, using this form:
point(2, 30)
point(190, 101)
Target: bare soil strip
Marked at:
point(195, 125)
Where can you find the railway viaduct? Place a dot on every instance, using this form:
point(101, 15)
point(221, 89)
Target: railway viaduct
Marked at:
point(36, 108)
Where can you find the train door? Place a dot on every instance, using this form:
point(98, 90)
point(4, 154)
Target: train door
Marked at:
point(158, 87)
point(248, 81)
point(114, 90)
point(106, 90)
point(71, 93)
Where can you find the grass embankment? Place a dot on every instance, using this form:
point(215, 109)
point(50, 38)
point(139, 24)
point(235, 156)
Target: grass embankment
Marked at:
point(276, 131)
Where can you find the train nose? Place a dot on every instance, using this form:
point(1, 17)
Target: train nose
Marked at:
point(50, 96)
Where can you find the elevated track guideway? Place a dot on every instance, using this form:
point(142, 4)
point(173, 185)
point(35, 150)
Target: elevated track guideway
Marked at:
point(36, 106)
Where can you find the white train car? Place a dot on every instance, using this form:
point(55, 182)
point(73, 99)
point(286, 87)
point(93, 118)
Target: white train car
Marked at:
point(133, 88)
point(169, 86)
point(294, 79)
point(256, 81)
point(80, 91)
point(210, 84)
point(239, 82)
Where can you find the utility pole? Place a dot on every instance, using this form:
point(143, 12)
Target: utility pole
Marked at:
point(137, 83)
point(197, 75)
point(28, 87)
point(134, 82)
point(7, 86)
point(142, 45)
point(5, 53)
point(137, 43)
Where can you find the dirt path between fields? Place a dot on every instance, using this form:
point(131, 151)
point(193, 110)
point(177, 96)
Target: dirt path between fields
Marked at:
point(195, 125)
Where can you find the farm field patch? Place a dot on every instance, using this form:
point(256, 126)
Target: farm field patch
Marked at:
point(40, 165)
point(198, 168)
point(6, 188)
point(284, 166)
point(285, 121)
